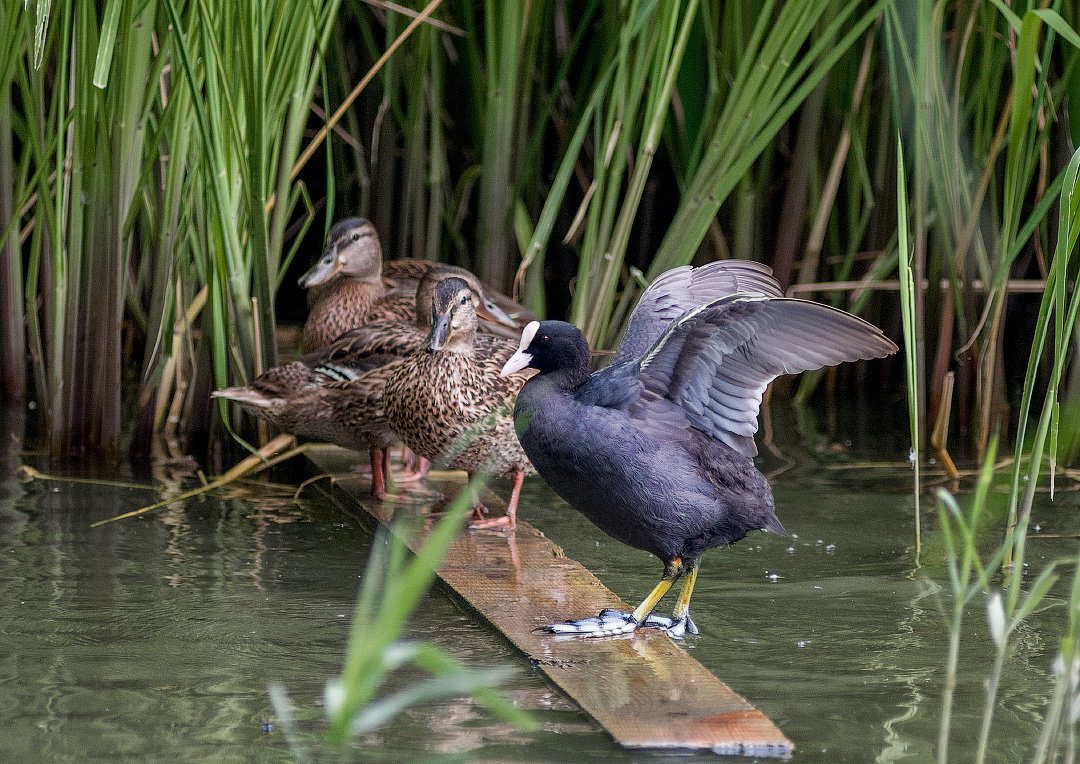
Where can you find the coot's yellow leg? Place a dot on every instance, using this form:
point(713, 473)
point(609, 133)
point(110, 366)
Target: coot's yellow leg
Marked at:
point(611, 622)
point(672, 571)
point(683, 622)
point(679, 623)
point(682, 605)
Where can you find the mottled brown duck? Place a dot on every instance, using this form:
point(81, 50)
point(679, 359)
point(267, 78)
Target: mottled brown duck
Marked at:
point(330, 403)
point(448, 404)
point(353, 283)
point(335, 394)
point(379, 341)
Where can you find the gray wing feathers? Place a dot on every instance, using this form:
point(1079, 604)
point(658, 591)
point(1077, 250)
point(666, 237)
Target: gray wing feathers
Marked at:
point(680, 289)
point(716, 361)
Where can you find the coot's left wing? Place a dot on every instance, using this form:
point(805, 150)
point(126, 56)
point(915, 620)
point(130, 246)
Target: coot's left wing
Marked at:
point(680, 289)
point(716, 360)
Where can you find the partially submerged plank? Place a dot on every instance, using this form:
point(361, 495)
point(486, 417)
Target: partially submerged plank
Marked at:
point(643, 688)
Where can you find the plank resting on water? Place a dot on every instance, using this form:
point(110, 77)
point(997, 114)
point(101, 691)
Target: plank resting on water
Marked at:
point(643, 688)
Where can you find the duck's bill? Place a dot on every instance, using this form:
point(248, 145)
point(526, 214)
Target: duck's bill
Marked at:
point(489, 311)
point(518, 361)
point(440, 334)
point(325, 269)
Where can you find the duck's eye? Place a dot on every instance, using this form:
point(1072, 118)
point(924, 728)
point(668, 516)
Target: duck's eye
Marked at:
point(464, 299)
point(356, 236)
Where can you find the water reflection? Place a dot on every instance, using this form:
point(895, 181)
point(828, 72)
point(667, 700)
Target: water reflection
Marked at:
point(161, 633)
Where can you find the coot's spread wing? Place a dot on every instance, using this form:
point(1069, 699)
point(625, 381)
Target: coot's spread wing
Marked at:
point(680, 289)
point(716, 361)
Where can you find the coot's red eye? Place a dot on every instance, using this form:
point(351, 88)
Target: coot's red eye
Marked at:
point(544, 338)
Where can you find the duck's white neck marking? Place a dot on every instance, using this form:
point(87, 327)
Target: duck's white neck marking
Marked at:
point(528, 334)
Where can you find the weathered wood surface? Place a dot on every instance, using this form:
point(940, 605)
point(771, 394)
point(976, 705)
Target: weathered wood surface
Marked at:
point(642, 688)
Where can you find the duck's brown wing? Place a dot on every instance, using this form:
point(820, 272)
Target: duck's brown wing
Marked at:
point(366, 347)
point(410, 269)
point(397, 305)
point(283, 381)
point(405, 274)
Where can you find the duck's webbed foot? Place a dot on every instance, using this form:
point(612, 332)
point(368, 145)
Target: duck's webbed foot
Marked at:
point(504, 522)
point(676, 628)
point(607, 624)
point(413, 467)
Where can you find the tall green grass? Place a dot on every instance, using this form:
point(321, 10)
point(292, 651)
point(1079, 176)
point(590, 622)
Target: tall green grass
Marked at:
point(581, 147)
point(911, 338)
point(734, 124)
point(77, 161)
point(979, 101)
point(149, 154)
point(996, 577)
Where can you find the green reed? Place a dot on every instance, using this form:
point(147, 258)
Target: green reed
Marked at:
point(584, 146)
point(972, 572)
point(248, 133)
point(774, 74)
point(75, 154)
point(911, 337)
point(980, 154)
point(150, 158)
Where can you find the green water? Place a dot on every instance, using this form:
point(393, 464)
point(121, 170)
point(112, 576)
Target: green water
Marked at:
point(156, 638)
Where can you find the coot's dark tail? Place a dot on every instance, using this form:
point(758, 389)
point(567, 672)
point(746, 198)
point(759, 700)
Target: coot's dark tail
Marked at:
point(774, 525)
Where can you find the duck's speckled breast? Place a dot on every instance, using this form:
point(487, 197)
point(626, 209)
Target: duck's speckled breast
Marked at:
point(448, 408)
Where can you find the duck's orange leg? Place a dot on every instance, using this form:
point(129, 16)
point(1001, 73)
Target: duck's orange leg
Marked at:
point(379, 460)
point(509, 520)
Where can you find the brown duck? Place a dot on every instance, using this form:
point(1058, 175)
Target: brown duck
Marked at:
point(381, 340)
point(357, 287)
point(447, 402)
point(330, 403)
point(335, 394)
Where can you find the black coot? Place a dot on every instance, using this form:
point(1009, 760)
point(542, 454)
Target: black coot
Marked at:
point(657, 449)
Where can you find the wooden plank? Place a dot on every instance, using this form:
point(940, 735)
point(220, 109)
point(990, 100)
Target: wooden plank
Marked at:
point(643, 688)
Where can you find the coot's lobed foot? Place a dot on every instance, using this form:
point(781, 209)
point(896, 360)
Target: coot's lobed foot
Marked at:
point(608, 624)
point(674, 628)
